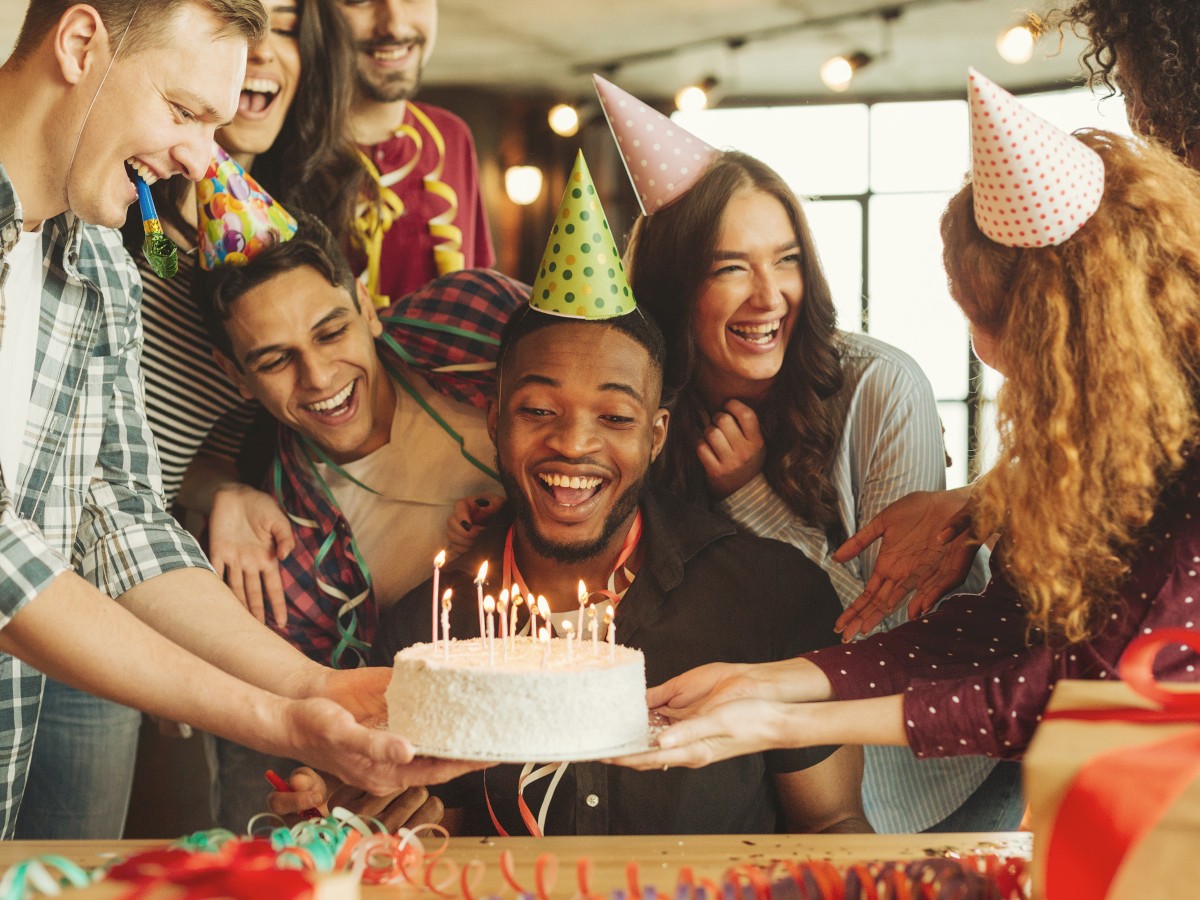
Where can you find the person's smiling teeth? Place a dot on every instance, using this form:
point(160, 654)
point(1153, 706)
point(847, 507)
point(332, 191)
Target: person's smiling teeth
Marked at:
point(574, 482)
point(326, 406)
point(260, 86)
point(393, 54)
point(763, 333)
point(142, 169)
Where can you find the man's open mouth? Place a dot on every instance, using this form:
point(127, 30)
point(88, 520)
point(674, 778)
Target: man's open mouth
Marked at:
point(137, 167)
point(571, 490)
point(335, 406)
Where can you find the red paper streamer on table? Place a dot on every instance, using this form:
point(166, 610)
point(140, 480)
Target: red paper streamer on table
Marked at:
point(240, 870)
point(1095, 828)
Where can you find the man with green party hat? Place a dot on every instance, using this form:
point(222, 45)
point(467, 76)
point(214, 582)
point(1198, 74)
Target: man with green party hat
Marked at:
point(577, 419)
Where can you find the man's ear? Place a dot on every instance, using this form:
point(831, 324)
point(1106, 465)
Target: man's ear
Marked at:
point(233, 373)
point(367, 306)
point(81, 43)
point(658, 436)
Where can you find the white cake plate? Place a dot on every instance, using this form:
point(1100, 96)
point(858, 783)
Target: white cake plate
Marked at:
point(581, 756)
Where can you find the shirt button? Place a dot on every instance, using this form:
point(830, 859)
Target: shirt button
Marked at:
point(592, 800)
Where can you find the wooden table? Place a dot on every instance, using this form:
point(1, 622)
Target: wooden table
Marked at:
point(659, 858)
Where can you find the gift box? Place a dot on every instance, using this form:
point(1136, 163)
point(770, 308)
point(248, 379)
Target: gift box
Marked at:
point(1111, 778)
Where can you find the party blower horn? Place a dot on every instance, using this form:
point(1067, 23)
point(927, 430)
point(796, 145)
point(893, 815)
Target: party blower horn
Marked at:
point(160, 251)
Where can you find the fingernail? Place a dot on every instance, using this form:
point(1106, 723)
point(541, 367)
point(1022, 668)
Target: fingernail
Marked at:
point(484, 502)
point(465, 524)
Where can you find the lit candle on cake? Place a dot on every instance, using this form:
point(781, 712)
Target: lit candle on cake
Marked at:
point(489, 612)
point(446, 604)
point(583, 595)
point(438, 562)
point(502, 608)
point(479, 580)
point(533, 616)
point(544, 637)
point(512, 631)
point(611, 636)
point(570, 632)
point(544, 612)
point(592, 626)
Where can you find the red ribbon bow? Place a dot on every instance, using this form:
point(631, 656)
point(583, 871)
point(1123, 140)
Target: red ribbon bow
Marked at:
point(1097, 827)
point(239, 870)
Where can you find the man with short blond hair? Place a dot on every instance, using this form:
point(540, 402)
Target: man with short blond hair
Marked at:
point(81, 518)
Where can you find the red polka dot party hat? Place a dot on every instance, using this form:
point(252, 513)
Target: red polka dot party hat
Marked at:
point(581, 275)
point(662, 159)
point(237, 219)
point(1035, 185)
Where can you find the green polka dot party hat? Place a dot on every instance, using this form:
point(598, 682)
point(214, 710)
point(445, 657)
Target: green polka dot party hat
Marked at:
point(581, 276)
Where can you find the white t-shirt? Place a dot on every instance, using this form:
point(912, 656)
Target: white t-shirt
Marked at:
point(20, 309)
point(420, 473)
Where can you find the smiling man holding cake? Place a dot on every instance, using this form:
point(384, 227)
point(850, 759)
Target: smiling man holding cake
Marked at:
point(577, 420)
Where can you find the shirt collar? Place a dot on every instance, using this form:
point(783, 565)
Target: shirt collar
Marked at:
point(65, 228)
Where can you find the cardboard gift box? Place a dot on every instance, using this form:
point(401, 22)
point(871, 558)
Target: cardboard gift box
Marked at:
point(1110, 777)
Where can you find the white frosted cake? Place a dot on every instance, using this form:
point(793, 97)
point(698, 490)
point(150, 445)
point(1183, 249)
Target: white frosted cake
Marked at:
point(519, 709)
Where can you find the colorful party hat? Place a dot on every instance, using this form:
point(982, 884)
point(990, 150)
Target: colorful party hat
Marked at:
point(1035, 185)
point(581, 275)
point(236, 217)
point(662, 159)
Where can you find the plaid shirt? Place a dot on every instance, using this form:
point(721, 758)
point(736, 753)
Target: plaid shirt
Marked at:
point(449, 331)
point(88, 497)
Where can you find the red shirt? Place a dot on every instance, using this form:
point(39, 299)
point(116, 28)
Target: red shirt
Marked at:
point(970, 682)
point(407, 260)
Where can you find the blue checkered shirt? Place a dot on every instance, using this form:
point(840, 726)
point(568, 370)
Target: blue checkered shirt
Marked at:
point(88, 495)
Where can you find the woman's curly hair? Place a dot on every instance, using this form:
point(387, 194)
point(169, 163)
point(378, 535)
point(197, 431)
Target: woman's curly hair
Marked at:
point(1158, 42)
point(1099, 338)
point(669, 259)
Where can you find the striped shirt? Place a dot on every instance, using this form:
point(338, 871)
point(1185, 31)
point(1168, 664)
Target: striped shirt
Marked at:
point(190, 403)
point(88, 493)
point(891, 445)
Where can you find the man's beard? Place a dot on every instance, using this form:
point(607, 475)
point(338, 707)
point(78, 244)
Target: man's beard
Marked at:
point(392, 87)
point(581, 551)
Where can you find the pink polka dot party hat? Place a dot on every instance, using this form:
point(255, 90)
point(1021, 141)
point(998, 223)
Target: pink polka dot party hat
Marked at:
point(236, 217)
point(662, 159)
point(581, 275)
point(1035, 185)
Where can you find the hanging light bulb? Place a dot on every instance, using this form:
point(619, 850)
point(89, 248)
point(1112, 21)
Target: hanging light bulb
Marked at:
point(564, 120)
point(838, 71)
point(1015, 44)
point(695, 97)
point(523, 184)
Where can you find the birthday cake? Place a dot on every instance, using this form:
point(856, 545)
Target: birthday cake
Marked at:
point(532, 703)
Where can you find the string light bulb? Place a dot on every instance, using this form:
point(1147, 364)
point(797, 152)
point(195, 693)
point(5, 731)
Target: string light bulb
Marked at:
point(695, 97)
point(838, 71)
point(1015, 45)
point(523, 184)
point(564, 120)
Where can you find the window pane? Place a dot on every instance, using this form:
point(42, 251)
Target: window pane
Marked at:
point(1079, 108)
point(919, 146)
point(988, 437)
point(837, 229)
point(817, 149)
point(954, 420)
point(910, 305)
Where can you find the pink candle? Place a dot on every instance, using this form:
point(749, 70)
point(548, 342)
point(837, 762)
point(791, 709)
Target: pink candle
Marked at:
point(479, 580)
point(489, 611)
point(583, 595)
point(446, 605)
point(438, 562)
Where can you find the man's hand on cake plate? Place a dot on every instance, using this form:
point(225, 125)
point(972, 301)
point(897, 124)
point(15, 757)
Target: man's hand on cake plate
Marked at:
point(311, 789)
point(926, 549)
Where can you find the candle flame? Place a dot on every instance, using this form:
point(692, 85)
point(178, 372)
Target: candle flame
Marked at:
point(544, 635)
point(482, 576)
point(608, 613)
point(568, 627)
point(446, 604)
point(489, 604)
point(503, 596)
point(543, 607)
point(440, 559)
point(502, 603)
point(583, 592)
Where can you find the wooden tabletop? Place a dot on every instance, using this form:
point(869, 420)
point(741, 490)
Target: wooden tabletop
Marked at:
point(659, 857)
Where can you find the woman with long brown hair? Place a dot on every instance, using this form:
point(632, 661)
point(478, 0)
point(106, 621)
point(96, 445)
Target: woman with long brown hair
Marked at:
point(790, 427)
point(1096, 493)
